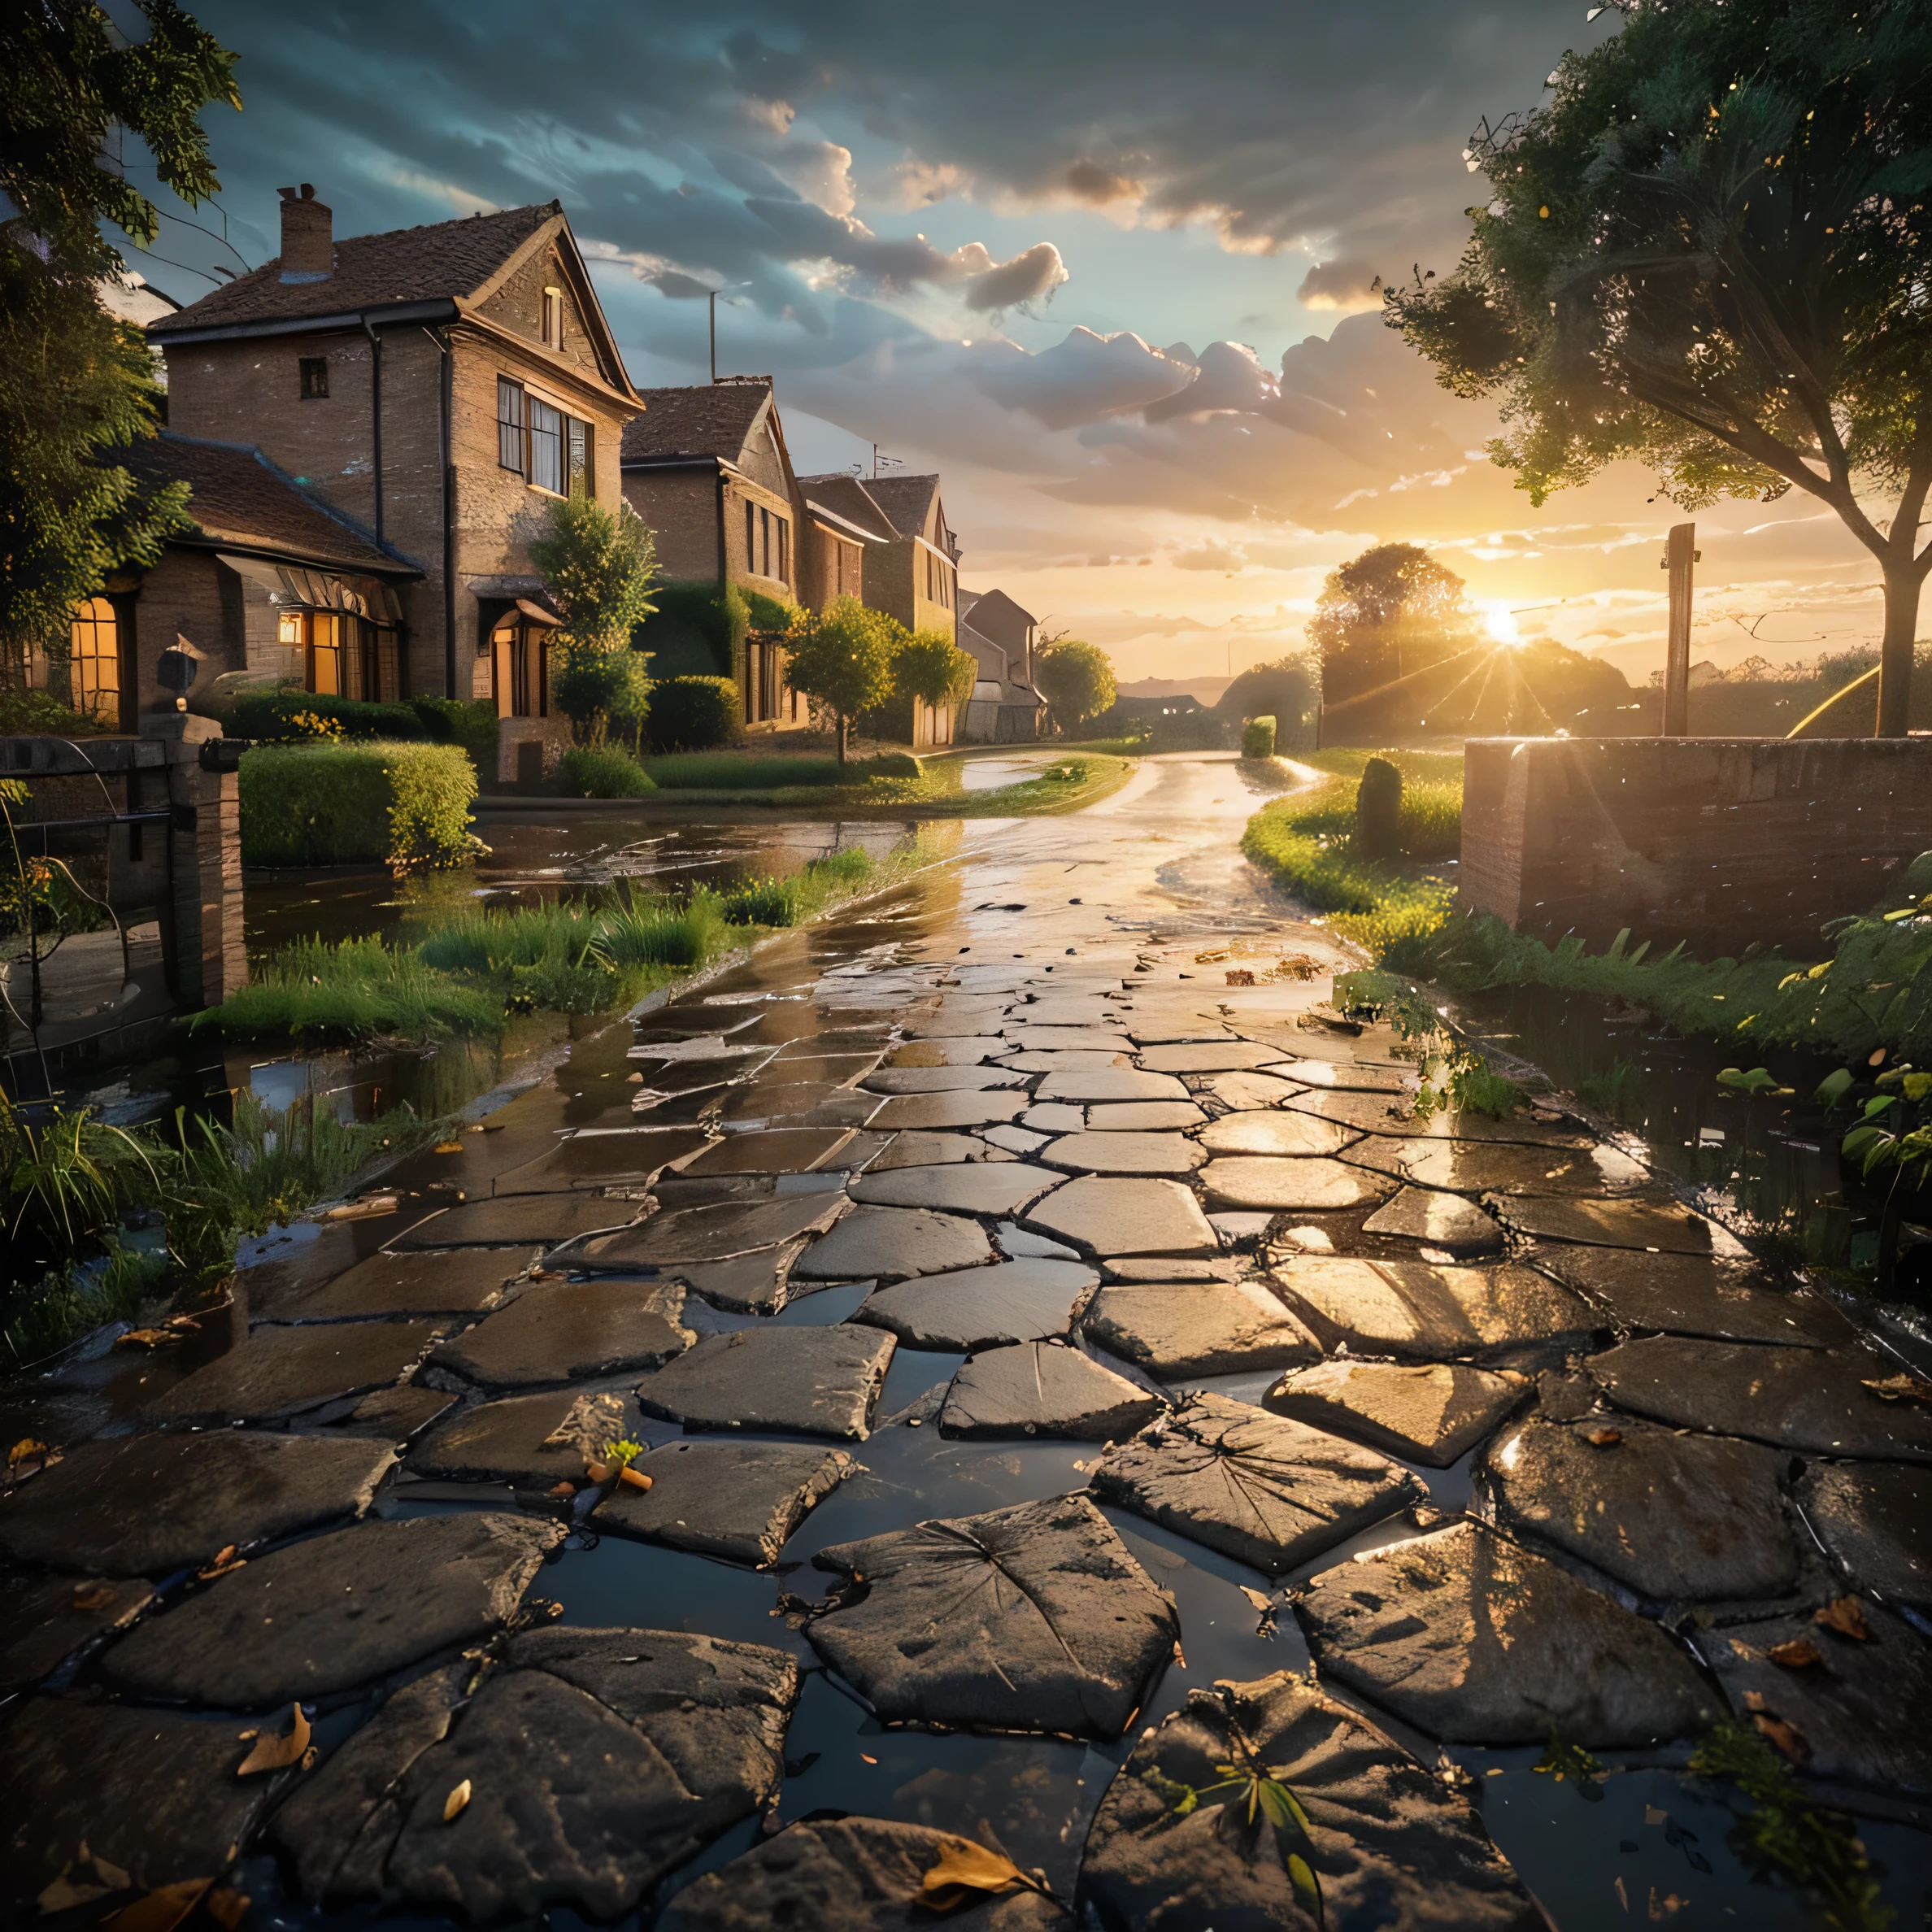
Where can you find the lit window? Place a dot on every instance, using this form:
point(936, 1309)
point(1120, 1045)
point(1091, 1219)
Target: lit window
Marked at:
point(94, 666)
point(547, 446)
point(512, 413)
point(325, 653)
point(314, 377)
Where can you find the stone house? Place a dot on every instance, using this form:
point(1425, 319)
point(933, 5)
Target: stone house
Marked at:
point(912, 559)
point(1006, 708)
point(430, 389)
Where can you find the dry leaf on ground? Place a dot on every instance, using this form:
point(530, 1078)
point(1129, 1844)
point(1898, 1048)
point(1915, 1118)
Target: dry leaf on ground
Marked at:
point(22, 1450)
point(1901, 1388)
point(1786, 1737)
point(1603, 1438)
point(451, 1147)
point(273, 1753)
point(457, 1798)
point(1800, 1654)
point(1846, 1614)
point(965, 1871)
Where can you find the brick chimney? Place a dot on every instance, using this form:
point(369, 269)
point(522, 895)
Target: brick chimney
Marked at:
point(307, 238)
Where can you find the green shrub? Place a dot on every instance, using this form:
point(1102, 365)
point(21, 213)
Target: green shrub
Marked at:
point(1258, 738)
point(326, 803)
point(604, 690)
point(650, 931)
point(450, 721)
point(694, 632)
point(30, 714)
point(1378, 811)
point(694, 714)
point(268, 717)
point(766, 901)
point(841, 869)
point(768, 614)
point(742, 771)
point(357, 989)
point(601, 772)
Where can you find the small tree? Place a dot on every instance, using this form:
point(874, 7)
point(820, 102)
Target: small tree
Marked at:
point(1709, 252)
point(1382, 616)
point(841, 658)
point(934, 670)
point(1076, 680)
point(599, 569)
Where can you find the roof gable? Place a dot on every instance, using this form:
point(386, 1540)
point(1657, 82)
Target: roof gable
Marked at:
point(848, 497)
point(698, 420)
point(912, 503)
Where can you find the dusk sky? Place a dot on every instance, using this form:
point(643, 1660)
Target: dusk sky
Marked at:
point(1106, 269)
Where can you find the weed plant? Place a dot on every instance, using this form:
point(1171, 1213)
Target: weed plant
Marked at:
point(766, 902)
point(649, 929)
point(352, 991)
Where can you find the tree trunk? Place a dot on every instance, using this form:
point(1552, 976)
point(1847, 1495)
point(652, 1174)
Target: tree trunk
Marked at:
point(1902, 587)
point(841, 739)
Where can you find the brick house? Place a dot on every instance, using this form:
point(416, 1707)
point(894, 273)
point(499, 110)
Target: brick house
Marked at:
point(912, 560)
point(431, 389)
point(1006, 708)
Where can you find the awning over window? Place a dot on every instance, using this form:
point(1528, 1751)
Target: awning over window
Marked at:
point(297, 589)
point(538, 615)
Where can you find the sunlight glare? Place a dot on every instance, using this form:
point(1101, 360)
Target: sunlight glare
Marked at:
point(1500, 621)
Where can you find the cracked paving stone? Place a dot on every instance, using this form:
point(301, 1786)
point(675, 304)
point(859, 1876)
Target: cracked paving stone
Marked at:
point(977, 1187)
point(1209, 1056)
point(154, 1792)
point(1444, 1221)
point(1100, 1214)
point(1145, 1116)
point(336, 1611)
point(950, 1109)
point(1069, 1010)
point(804, 1104)
point(1177, 1328)
point(1664, 1224)
point(1416, 1311)
point(792, 1381)
point(527, 1442)
point(941, 1080)
point(1262, 1092)
point(598, 1761)
point(1460, 1166)
point(843, 1874)
point(149, 1505)
point(1086, 1061)
point(753, 1284)
point(1032, 1618)
point(1433, 1415)
point(953, 1050)
point(1107, 1153)
point(395, 1415)
point(1863, 1711)
point(1672, 1518)
point(632, 1157)
point(1054, 1116)
point(564, 1331)
point(736, 1500)
point(927, 1150)
point(1346, 1075)
point(980, 1308)
point(1475, 1641)
point(279, 1372)
point(712, 1233)
point(889, 1243)
point(519, 1222)
point(775, 1150)
point(1379, 1113)
point(1106, 1083)
point(443, 1282)
point(1270, 1492)
point(1876, 1518)
point(1388, 1843)
point(1281, 1135)
point(1158, 1268)
point(1793, 1398)
point(1262, 1181)
point(1065, 1039)
point(45, 1620)
point(1043, 1389)
point(1684, 1294)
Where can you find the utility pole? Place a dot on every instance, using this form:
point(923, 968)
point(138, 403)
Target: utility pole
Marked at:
point(1679, 555)
point(711, 303)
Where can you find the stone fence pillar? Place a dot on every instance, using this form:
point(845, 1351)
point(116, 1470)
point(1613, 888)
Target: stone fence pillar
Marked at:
point(211, 960)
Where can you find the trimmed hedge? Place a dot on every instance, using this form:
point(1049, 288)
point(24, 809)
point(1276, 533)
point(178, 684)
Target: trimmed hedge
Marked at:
point(1258, 738)
point(694, 714)
point(356, 802)
point(601, 772)
point(694, 631)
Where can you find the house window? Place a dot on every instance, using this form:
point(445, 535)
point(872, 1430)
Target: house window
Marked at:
point(783, 550)
point(547, 446)
point(325, 653)
point(93, 665)
point(314, 377)
point(583, 478)
point(521, 650)
point(765, 534)
point(751, 536)
point(553, 318)
point(512, 416)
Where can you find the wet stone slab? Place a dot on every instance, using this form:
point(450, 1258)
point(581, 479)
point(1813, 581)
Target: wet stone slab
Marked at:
point(281, 1373)
point(1032, 1618)
point(1254, 1092)
point(146, 1506)
point(775, 1150)
point(564, 1331)
point(1684, 1294)
point(1124, 1154)
point(1026, 1300)
point(1277, 1133)
point(1475, 1641)
point(942, 1080)
point(458, 1281)
point(1346, 1075)
point(1876, 1519)
point(1103, 1216)
point(822, 1382)
point(941, 1111)
point(978, 1187)
point(712, 1233)
point(1108, 1083)
point(1664, 1224)
point(929, 1150)
point(882, 1244)
point(152, 1792)
point(1043, 1389)
point(630, 1158)
point(926, 1049)
point(735, 1500)
point(336, 1611)
point(841, 1875)
point(1672, 1518)
point(1263, 1182)
point(1463, 1167)
point(1862, 1710)
point(1087, 1061)
point(395, 1415)
point(1145, 1116)
point(1434, 1414)
point(598, 1761)
point(1179, 1328)
point(1443, 1221)
point(1416, 1311)
point(1392, 1846)
point(753, 1284)
point(1379, 1113)
point(1054, 1116)
point(518, 1221)
point(45, 1620)
point(524, 1440)
point(1210, 1057)
point(1270, 1492)
point(1065, 1039)
point(1792, 1399)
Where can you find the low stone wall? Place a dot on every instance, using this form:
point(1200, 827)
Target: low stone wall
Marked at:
point(1715, 841)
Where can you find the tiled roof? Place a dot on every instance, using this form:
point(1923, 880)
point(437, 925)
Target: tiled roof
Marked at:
point(443, 260)
point(241, 498)
point(907, 500)
point(705, 420)
point(847, 496)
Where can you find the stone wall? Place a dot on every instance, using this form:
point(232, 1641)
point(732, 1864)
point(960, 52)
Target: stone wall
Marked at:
point(1715, 841)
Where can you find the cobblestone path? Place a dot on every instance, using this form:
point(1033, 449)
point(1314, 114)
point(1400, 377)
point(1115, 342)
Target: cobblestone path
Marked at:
point(1061, 1378)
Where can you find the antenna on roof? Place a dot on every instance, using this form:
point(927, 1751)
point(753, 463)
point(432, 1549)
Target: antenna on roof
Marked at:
point(891, 462)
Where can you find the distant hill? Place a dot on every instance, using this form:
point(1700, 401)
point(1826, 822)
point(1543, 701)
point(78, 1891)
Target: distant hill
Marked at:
point(1203, 690)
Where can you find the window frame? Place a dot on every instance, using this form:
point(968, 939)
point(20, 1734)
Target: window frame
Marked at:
point(548, 447)
point(311, 378)
point(513, 420)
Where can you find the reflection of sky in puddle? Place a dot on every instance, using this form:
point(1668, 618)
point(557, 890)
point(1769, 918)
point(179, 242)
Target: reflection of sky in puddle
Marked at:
point(988, 774)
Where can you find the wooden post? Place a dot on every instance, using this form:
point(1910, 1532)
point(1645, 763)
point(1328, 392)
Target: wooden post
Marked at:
point(1678, 557)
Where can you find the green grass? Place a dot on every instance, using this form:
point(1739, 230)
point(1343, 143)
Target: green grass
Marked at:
point(604, 772)
point(766, 902)
point(351, 990)
point(752, 771)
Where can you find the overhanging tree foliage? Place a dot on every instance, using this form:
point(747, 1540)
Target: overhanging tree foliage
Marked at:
point(1709, 252)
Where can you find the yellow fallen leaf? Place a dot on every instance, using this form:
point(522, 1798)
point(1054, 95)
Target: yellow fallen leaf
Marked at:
point(221, 1560)
point(1846, 1614)
point(1800, 1654)
point(456, 1800)
point(273, 1753)
point(1787, 1738)
point(22, 1450)
point(448, 1147)
point(1894, 1388)
point(965, 1870)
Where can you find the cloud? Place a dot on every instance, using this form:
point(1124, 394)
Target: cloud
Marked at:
point(1343, 286)
point(1083, 378)
point(1031, 276)
point(1213, 554)
point(1089, 181)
